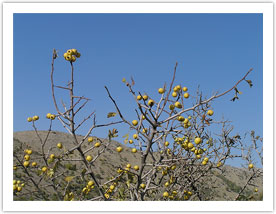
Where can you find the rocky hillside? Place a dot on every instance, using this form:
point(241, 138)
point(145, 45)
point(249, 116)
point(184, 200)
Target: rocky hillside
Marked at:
point(224, 187)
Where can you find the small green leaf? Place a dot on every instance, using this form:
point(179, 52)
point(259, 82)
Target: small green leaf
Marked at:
point(111, 114)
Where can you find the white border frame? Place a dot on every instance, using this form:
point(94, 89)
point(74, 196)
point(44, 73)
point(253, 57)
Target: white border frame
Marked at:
point(10, 8)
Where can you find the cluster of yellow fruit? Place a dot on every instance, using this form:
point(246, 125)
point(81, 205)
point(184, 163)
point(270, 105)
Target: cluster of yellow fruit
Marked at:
point(128, 167)
point(51, 116)
point(176, 91)
point(71, 55)
point(69, 196)
point(171, 196)
point(90, 185)
point(17, 186)
point(34, 118)
point(144, 97)
point(187, 194)
point(90, 139)
point(205, 161)
point(27, 157)
point(109, 190)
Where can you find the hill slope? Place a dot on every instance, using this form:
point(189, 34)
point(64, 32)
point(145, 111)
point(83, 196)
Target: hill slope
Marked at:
point(225, 187)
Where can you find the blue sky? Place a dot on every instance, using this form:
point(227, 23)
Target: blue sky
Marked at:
point(213, 51)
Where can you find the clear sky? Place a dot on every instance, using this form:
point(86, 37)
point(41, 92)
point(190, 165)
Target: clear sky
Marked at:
point(213, 51)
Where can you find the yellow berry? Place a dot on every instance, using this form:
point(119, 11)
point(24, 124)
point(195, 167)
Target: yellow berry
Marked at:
point(90, 183)
point(98, 144)
point(136, 167)
point(89, 158)
point(178, 105)
point(35, 118)
point(185, 89)
point(73, 58)
point(59, 145)
point(139, 97)
point(52, 156)
point(190, 145)
point(151, 103)
point(135, 136)
point(134, 150)
point(119, 149)
point(171, 107)
point(27, 157)
point(186, 95)
point(52, 117)
point(198, 140)
point(134, 122)
point(34, 164)
point(44, 169)
point(161, 90)
point(26, 164)
point(29, 119)
point(143, 186)
point(130, 141)
point(90, 139)
point(165, 194)
point(210, 112)
point(128, 165)
point(48, 115)
point(174, 94)
point(78, 55)
point(145, 97)
point(250, 166)
point(167, 143)
point(74, 51)
point(29, 151)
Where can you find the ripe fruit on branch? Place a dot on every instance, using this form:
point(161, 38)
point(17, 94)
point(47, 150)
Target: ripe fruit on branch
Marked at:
point(161, 90)
point(151, 103)
point(135, 136)
point(145, 97)
point(165, 194)
point(198, 140)
point(210, 112)
point(143, 186)
point(119, 149)
point(90, 139)
point(29, 119)
point(178, 105)
point(134, 150)
point(186, 95)
point(185, 89)
point(139, 97)
point(250, 166)
point(134, 122)
point(26, 164)
point(98, 144)
point(174, 94)
point(89, 158)
point(59, 145)
point(136, 167)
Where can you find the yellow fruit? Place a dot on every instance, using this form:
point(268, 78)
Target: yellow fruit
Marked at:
point(27, 157)
point(106, 196)
point(52, 156)
point(185, 89)
point(186, 95)
point(90, 139)
point(210, 112)
point(206, 159)
point(14, 168)
point(171, 107)
point(134, 122)
point(174, 192)
point(167, 143)
point(23, 185)
point(26, 164)
point(48, 115)
point(161, 90)
point(89, 158)
point(174, 94)
point(112, 187)
point(145, 97)
point(180, 118)
point(135, 136)
point(198, 156)
point(139, 97)
point(69, 52)
point(128, 165)
point(90, 183)
point(35, 118)
point(143, 186)
point(74, 51)
point(34, 164)
point(130, 141)
point(186, 121)
point(44, 169)
point(78, 55)
point(190, 193)
point(98, 144)
point(19, 189)
point(29, 119)
point(68, 57)
point(119, 149)
point(65, 55)
point(178, 87)
point(256, 190)
point(144, 130)
point(165, 194)
point(143, 117)
point(164, 172)
point(178, 105)
point(59, 145)
point(250, 166)
point(29, 151)
point(14, 182)
point(167, 184)
point(190, 145)
point(173, 167)
point(73, 58)
point(198, 140)
point(204, 162)
point(219, 164)
point(151, 103)
point(136, 168)
point(53, 117)
point(14, 187)
point(134, 150)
